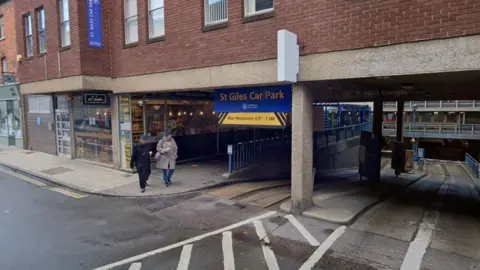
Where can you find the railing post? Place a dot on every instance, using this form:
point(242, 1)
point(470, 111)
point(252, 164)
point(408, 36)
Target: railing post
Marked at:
point(456, 103)
point(441, 103)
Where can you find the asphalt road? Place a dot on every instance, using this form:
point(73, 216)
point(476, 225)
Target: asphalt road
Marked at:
point(432, 225)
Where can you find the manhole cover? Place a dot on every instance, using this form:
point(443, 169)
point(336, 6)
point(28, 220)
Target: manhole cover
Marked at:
point(57, 170)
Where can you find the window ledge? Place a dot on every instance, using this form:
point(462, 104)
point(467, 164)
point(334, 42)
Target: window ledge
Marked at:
point(156, 39)
point(2, 39)
point(65, 48)
point(259, 16)
point(216, 26)
point(28, 58)
point(41, 54)
point(130, 45)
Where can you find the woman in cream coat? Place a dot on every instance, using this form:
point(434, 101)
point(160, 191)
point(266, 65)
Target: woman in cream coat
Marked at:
point(167, 147)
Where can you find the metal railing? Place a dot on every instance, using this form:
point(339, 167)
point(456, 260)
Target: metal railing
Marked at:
point(472, 164)
point(245, 154)
point(435, 104)
point(431, 129)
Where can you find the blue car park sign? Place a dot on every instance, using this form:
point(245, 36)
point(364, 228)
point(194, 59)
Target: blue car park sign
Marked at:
point(94, 10)
point(276, 98)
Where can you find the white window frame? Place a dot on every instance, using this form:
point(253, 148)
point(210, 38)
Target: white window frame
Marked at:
point(65, 40)
point(2, 27)
point(28, 34)
point(208, 16)
point(150, 20)
point(4, 65)
point(126, 19)
point(41, 20)
point(36, 101)
point(251, 4)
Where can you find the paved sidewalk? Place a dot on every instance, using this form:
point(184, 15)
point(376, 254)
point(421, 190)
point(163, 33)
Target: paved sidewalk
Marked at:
point(342, 204)
point(90, 178)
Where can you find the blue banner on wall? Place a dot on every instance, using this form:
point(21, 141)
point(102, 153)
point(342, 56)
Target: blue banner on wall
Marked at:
point(94, 15)
point(276, 98)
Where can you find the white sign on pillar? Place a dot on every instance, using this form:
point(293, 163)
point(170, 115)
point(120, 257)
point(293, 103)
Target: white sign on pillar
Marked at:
point(288, 56)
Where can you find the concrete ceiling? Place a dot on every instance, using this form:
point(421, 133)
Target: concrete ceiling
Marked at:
point(440, 86)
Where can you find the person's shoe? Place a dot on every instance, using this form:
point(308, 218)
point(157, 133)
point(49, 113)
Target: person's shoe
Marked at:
point(166, 184)
point(143, 190)
point(146, 184)
point(169, 183)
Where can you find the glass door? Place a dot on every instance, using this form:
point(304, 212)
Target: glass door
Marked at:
point(62, 122)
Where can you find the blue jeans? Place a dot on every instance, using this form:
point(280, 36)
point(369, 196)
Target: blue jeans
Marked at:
point(167, 175)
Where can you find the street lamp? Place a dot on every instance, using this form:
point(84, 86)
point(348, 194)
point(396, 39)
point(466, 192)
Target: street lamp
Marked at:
point(414, 142)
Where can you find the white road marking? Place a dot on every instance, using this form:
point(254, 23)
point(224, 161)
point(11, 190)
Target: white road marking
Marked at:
point(185, 257)
point(303, 230)
point(267, 251)
point(227, 247)
point(135, 266)
point(417, 248)
point(318, 254)
point(182, 243)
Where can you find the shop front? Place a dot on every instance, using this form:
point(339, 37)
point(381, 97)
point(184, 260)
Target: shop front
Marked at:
point(92, 122)
point(10, 116)
point(188, 116)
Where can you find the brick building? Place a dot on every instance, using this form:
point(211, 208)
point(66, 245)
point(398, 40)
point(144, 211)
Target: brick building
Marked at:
point(131, 52)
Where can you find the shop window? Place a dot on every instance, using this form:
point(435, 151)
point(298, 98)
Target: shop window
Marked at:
point(216, 11)
point(156, 18)
point(253, 7)
point(39, 104)
point(93, 132)
point(17, 125)
point(3, 118)
point(131, 21)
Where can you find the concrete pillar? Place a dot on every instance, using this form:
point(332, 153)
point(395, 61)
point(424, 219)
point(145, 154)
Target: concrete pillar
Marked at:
point(377, 117)
point(302, 148)
point(400, 108)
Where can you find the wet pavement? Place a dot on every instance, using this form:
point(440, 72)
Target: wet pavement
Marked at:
point(434, 224)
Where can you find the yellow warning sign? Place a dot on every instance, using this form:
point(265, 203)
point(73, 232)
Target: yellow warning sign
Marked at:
point(253, 119)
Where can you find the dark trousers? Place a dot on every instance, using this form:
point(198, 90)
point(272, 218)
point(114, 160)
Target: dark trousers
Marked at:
point(143, 174)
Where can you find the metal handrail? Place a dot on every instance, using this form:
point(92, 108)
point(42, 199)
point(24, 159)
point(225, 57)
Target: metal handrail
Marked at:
point(472, 164)
point(245, 154)
point(432, 128)
point(436, 104)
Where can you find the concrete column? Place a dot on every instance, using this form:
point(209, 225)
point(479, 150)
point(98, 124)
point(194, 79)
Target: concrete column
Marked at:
point(377, 117)
point(302, 148)
point(400, 108)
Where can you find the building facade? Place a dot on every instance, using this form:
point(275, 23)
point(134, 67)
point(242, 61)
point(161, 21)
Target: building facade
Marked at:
point(348, 50)
point(10, 98)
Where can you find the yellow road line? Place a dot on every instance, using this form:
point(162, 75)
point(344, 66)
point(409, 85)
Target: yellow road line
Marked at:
point(68, 193)
point(22, 177)
point(40, 184)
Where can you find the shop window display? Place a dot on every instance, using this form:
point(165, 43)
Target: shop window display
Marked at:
point(93, 132)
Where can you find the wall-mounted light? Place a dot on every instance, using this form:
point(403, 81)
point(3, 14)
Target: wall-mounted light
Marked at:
point(201, 113)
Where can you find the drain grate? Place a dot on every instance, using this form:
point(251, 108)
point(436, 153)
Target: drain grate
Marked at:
point(56, 170)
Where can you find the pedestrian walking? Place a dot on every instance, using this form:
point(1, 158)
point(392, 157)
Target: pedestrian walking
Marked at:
point(141, 160)
point(168, 157)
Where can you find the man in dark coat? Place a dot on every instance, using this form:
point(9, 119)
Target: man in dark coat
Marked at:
point(141, 160)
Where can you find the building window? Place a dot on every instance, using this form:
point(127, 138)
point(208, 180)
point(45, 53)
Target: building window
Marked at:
point(28, 34)
point(156, 18)
point(39, 104)
point(42, 40)
point(253, 7)
point(4, 65)
point(2, 28)
point(216, 11)
point(64, 23)
point(131, 22)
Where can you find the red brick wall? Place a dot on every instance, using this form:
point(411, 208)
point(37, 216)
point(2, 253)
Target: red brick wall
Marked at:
point(33, 69)
point(8, 45)
point(321, 25)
